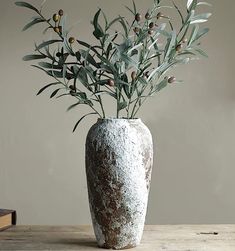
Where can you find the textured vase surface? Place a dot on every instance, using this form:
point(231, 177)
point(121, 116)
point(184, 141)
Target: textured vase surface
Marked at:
point(119, 157)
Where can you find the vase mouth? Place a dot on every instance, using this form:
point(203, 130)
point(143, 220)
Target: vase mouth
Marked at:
point(119, 119)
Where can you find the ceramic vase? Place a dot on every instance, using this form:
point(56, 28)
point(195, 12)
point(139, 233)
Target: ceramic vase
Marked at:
point(119, 158)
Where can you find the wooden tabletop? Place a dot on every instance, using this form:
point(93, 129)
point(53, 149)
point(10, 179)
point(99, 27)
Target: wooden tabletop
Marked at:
point(156, 238)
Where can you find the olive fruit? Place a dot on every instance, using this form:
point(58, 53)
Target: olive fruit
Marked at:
point(56, 29)
point(111, 82)
point(60, 29)
point(71, 40)
point(61, 12)
point(184, 40)
point(150, 32)
point(56, 17)
point(151, 25)
point(136, 29)
point(133, 75)
point(58, 54)
point(146, 74)
point(138, 17)
point(171, 80)
point(159, 15)
point(179, 47)
point(147, 16)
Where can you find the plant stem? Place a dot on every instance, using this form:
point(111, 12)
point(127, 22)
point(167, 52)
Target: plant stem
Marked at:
point(102, 107)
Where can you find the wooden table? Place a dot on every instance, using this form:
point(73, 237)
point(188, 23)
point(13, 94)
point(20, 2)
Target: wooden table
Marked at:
point(156, 238)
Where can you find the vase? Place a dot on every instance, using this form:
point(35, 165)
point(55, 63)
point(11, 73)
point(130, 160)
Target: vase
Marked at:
point(119, 157)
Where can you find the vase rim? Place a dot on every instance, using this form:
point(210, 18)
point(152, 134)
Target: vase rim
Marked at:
point(119, 119)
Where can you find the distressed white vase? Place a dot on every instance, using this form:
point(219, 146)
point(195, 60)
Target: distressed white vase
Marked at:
point(119, 157)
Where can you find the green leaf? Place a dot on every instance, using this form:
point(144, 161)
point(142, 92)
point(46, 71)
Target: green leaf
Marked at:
point(130, 10)
point(45, 31)
point(92, 48)
point(73, 106)
point(33, 57)
point(180, 13)
point(126, 89)
point(76, 125)
point(201, 52)
point(98, 33)
point(200, 18)
point(96, 17)
point(170, 43)
point(57, 74)
point(54, 92)
point(122, 105)
point(78, 55)
point(122, 22)
point(105, 19)
point(114, 21)
point(83, 76)
point(33, 22)
point(47, 50)
point(49, 66)
point(45, 87)
point(193, 34)
point(189, 3)
point(143, 81)
point(106, 92)
point(129, 61)
point(161, 85)
point(26, 5)
point(88, 58)
point(43, 44)
point(106, 61)
point(204, 3)
point(200, 34)
point(134, 7)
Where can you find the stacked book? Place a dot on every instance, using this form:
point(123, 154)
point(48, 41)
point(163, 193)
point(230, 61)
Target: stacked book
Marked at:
point(7, 218)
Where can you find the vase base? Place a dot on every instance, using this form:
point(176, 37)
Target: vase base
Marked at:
point(116, 248)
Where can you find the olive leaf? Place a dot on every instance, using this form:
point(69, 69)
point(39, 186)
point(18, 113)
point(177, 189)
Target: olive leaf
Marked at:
point(46, 43)
point(122, 105)
point(204, 3)
point(79, 121)
point(49, 65)
point(98, 32)
point(92, 48)
point(26, 5)
point(88, 58)
point(128, 64)
point(171, 42)
point(189, 3)
point(113, 22)
point(33, 57)
point(45, 87)
point(54, 92)
point(33, 22)
point(73, 106)
point(200, 18)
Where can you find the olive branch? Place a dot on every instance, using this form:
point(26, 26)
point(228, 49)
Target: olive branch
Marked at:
point(128, 63)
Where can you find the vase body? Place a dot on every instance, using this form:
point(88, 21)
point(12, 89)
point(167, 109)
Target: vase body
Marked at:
point(119, 157)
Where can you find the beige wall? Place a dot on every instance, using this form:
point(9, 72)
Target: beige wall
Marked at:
point(193, 126)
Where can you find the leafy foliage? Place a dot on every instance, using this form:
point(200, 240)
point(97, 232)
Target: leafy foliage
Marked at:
point(130, 61)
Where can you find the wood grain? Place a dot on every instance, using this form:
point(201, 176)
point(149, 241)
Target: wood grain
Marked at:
point(156, 238)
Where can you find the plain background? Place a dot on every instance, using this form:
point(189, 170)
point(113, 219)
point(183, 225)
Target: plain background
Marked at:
point(42, 172)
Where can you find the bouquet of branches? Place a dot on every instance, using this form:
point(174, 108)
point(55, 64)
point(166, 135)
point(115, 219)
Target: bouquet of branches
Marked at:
point(130, 61)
